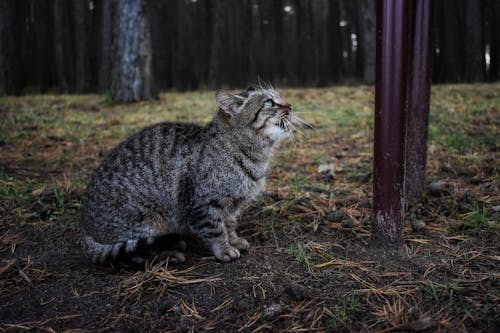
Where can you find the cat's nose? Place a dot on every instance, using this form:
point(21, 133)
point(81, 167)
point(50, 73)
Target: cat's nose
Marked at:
point(287, 107)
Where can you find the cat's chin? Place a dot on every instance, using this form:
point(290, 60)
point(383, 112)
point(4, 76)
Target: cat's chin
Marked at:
point(277, 133)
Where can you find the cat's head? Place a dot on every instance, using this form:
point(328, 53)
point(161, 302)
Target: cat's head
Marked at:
point(260, 110)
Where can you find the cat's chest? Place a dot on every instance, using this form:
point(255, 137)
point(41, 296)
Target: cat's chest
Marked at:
point(244, 195)
point(245, 190)
point(252, 189)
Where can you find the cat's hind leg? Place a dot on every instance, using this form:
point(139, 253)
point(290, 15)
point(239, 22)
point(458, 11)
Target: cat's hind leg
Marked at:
point(170, 246)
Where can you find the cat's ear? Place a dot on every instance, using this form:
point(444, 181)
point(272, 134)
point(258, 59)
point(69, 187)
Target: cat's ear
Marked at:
point(229, 104)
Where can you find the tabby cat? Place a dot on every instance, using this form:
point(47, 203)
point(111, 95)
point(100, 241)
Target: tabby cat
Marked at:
point(183, 179)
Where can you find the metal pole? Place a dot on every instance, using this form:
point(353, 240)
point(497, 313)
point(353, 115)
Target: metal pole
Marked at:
point(390, 105)
point(418, 101)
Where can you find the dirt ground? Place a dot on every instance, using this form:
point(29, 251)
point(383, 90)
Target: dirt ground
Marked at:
point(311, 267)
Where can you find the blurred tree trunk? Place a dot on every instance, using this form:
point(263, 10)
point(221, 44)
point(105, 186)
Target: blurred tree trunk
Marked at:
point(185, 61)
point(347, 11)
point(334, 41)
point(277, 27)
point(255, 54)
point(81, 21)
point(105, 52)
point(319, 11)
point(10, 65)
point(495, 42)
point(474, 52)
point(306, 72)
point(43, 45)
point(164, 18)
point(367, 38)
point(218, 38)
point(437, 35)
point(58, 7)
point(131, 75)
point(289, 46)
point(242, 29)
point(268, 40)
point(452, 45)
point(202, 33)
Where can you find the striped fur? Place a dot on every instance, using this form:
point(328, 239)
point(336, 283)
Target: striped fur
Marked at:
point(184, 179)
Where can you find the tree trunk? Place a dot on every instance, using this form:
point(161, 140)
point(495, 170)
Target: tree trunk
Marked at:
point(216, 54)
point(495, 42)
point(319, 11)
point(10, 83)
point(131, 69)
point(105, 51)
point(437, 36)
point(81, 21)
point(474, 52)
point(334, 42)
point(202, 34)
point(185, 74)
point(59, 44)
point(289, 47)
point(44, 45)
point(306, 64)
point(452, 47)
point(242, 29)
point(367, 39)
point(255, 37)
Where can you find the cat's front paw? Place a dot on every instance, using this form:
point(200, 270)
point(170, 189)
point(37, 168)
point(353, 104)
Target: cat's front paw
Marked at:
point(240, 243)
point(226, 254)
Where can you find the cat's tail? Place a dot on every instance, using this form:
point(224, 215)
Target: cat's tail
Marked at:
point(102, 253)
point(134, 251)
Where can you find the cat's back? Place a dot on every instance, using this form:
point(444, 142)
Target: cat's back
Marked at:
point(151, 144)
point(147, 161)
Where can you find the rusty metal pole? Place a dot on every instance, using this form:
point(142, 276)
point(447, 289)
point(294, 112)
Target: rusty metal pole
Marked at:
point(390, 107)
point(418, 101)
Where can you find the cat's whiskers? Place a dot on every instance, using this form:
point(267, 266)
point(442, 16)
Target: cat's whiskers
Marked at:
point(301, 123)
point(289, 126)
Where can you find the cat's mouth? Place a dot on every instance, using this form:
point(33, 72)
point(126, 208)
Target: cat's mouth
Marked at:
point(289, 123)
point(284, 123)
point(285, 120)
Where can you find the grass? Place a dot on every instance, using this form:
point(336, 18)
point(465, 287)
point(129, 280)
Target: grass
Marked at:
point(300, 253)
point(480, 218)
point(343, 313)
point(454, 122)
point(445, 277)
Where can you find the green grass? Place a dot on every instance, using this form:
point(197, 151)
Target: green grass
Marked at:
point(480, 218)
point(451, 295)
point(300, 254)
point(343, 313)
point(57, 136)
point(464, 118)
point(28, 201)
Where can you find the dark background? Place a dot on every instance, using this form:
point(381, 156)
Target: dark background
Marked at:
point(65, 46)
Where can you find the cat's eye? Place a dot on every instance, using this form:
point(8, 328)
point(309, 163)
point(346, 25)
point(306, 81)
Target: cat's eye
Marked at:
point(269, 103)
